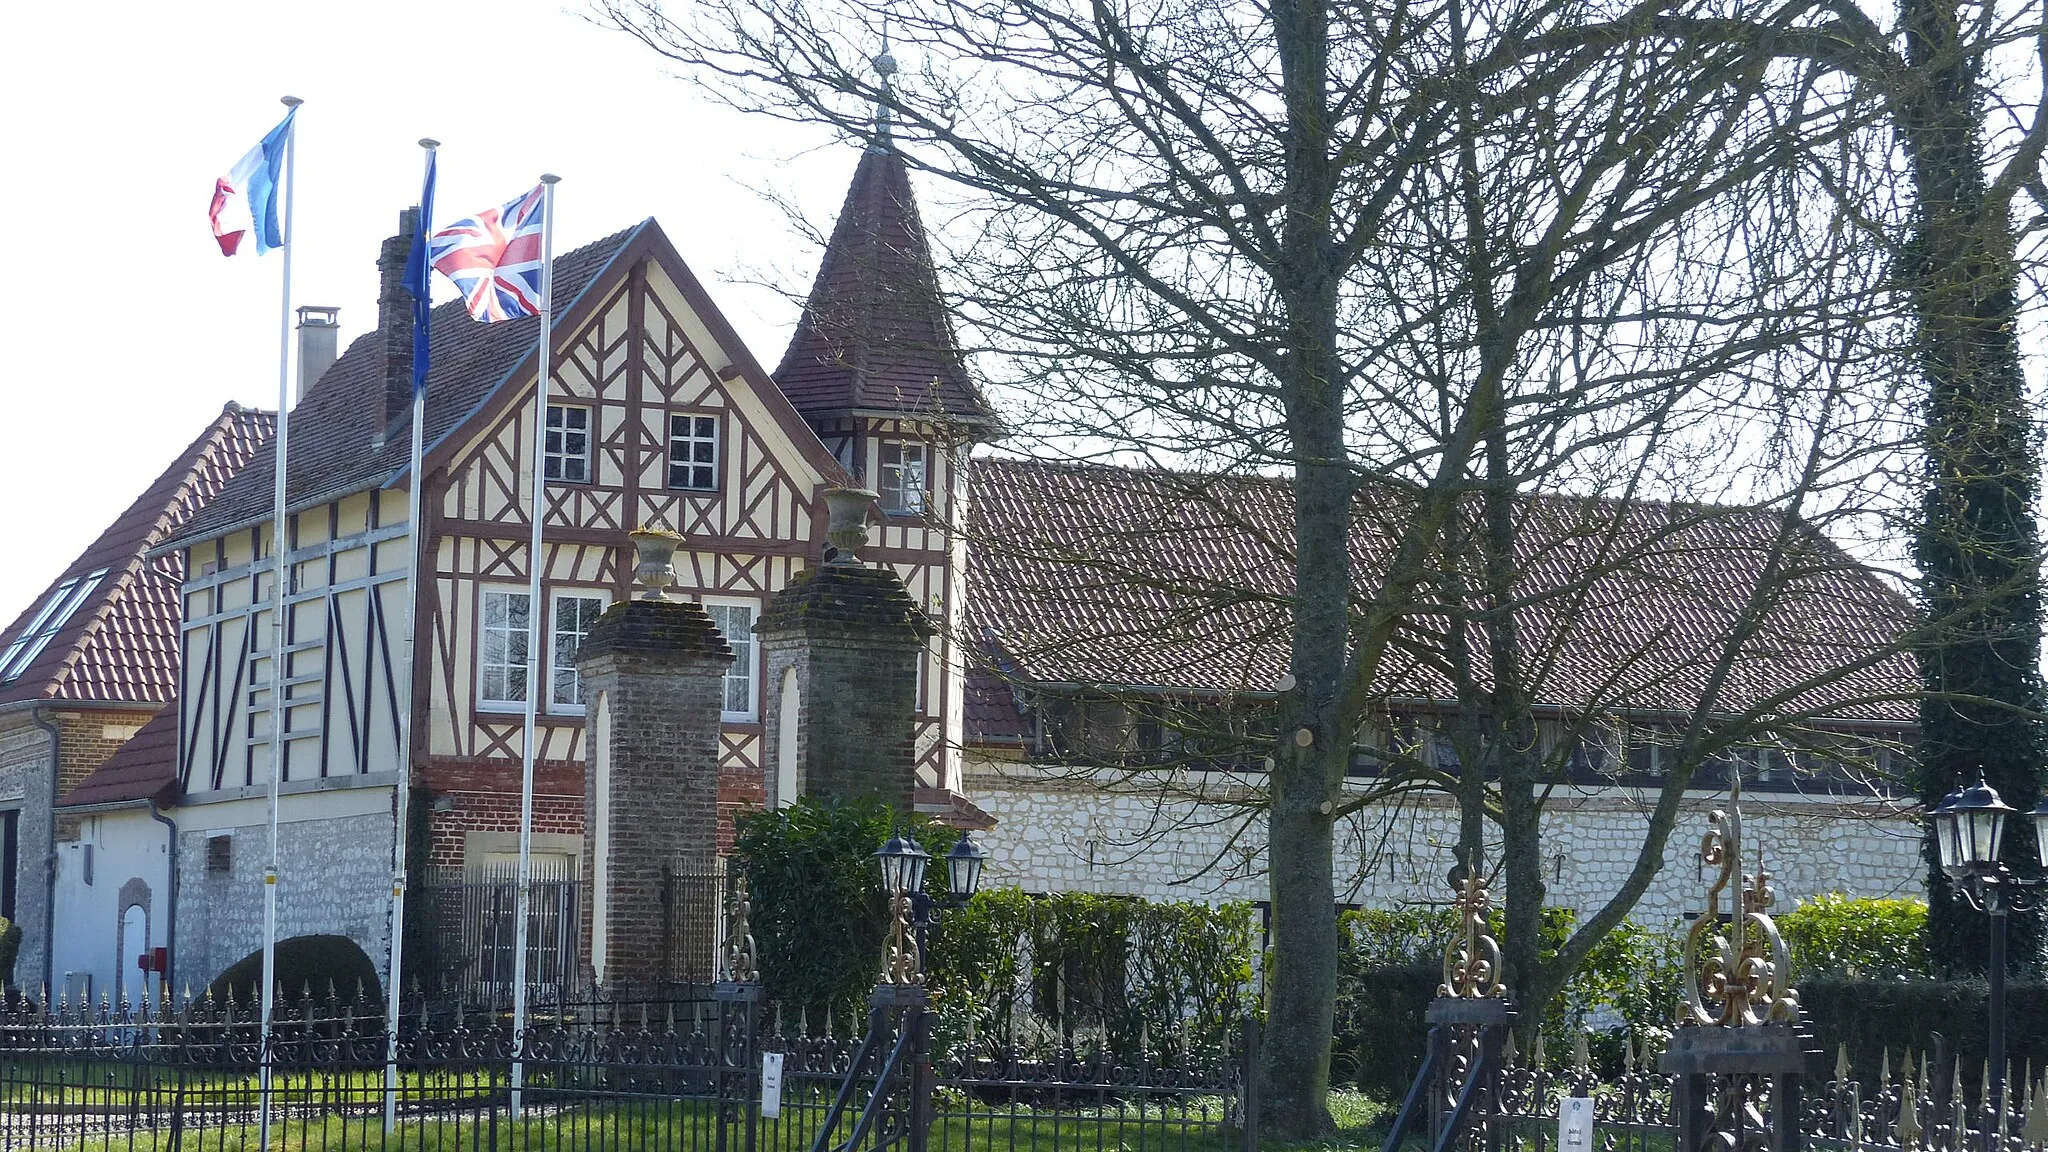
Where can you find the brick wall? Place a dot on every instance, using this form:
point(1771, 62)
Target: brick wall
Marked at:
point(495, 812)
point(86, 739)
point(854, 637)
point(657, 669)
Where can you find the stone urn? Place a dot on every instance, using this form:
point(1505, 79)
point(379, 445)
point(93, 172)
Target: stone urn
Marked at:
point(846, 522)
point(656, 567)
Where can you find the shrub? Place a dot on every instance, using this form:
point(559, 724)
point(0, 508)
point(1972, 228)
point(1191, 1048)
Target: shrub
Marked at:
point(1874, 1017)
point(1857, 939)
point(10, 949)
point(1171, 979)
point(819, 912)
point(304, 964)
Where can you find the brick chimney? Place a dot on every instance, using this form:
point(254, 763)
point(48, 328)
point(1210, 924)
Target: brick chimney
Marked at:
point(394, 329)
point(839, 651)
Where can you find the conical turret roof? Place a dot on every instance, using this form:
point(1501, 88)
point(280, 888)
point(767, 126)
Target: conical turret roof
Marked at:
point(874, 334)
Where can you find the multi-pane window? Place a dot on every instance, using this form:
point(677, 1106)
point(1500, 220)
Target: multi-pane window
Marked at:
point(737, 622)
point(501, 672)
point(692, 451)
point(49, 620)
point(574, 614)
point(904, 476)
point(567, 455)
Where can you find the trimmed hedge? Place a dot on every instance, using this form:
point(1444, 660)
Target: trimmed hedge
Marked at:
point(1876, 1016)
point(10, 949)
point(304, 964)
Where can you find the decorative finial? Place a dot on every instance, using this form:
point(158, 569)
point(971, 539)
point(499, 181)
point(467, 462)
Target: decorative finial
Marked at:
point(885, 67)
point(1472, 963)
point(1743, 980)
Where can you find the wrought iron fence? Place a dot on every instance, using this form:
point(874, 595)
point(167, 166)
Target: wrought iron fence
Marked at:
point(679, 1075)
point(470, 924)
point(1945, 1111)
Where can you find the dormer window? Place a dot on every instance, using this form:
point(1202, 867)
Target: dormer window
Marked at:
point(905, 477)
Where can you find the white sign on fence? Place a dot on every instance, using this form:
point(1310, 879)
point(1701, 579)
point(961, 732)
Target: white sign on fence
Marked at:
point(771, 1084)
point(1575, 1123)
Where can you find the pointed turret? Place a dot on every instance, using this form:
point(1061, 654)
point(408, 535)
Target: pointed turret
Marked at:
point(874, 338)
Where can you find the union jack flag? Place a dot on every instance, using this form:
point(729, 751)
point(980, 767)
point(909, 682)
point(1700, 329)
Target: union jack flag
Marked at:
point(495, 258)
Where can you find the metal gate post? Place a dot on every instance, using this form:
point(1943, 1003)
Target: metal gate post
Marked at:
point(922, 1084)
point(1248, 1085)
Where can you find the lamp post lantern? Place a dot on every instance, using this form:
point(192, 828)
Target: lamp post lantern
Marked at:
point(903, 862)
point(1969, 828)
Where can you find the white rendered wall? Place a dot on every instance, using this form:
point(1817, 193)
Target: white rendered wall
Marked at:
point(129, 865)
point(1062, 835)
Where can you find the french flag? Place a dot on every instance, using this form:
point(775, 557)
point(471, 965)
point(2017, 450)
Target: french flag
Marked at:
point(245, 200)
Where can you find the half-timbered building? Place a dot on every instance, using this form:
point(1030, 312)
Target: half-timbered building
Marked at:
point(657, 416)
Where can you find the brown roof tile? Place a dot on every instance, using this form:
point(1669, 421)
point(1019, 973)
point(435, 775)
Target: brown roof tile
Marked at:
point(1103, 576)
point(874, 333)
point(332, 427)
point(145, 768)
point(120, 641)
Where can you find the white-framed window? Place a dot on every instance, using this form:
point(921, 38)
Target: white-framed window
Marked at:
point(905, 476)
point(693, 451)
point(735, 618)
point(47, 622)
point(567, 455)
point(502, 662)
point(575, 612)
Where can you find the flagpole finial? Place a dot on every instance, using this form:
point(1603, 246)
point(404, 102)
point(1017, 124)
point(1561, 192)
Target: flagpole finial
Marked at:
point(429, 143)
point(550, 178)
point(290, 101)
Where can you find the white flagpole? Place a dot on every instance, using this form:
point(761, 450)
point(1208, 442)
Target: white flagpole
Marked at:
point(278, 589)
point(401, 805)
point(536, 611)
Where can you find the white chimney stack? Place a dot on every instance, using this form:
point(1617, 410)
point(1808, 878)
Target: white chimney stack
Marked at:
point(319, 333)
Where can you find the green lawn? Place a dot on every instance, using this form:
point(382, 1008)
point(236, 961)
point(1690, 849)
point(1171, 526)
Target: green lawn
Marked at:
point(343, 1113)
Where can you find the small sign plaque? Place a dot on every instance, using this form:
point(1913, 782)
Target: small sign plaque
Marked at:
point(1575, 1124)
point(771, 1084)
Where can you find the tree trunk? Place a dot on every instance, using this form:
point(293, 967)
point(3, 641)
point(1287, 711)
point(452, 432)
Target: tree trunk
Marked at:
point(1977, 548)
point(1314, 748)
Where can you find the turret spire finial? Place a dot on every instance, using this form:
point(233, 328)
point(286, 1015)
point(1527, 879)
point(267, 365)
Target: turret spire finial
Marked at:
point(885, 67)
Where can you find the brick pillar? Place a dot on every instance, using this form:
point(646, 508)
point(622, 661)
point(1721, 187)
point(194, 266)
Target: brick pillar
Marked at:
point(840, 645)
point(652, 673)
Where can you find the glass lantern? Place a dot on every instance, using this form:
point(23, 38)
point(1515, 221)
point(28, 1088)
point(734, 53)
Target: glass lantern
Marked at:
point(963, 868)
point(2040, 816)
point(1969, 826)
point(903, 862)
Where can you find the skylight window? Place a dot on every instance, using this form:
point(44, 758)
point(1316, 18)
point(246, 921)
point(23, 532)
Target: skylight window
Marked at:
point(49, 620)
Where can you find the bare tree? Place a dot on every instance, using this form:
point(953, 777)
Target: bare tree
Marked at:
point(1458, 252)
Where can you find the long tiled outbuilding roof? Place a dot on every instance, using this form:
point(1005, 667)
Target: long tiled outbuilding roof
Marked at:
point(1098, 576)
point(115, 614)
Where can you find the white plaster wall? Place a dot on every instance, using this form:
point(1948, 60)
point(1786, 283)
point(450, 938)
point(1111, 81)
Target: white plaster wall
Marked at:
point(334, 852)
point(1061, 835)
point(124, 846)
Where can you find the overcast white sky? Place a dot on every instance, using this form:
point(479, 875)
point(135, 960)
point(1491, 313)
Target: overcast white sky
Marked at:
point(126, 330)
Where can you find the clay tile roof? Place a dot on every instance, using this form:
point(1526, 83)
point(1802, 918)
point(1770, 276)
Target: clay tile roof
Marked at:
point(874, 333)
point(145, 768)
point(119, 639)
point(332, 425)
point(1100, 576)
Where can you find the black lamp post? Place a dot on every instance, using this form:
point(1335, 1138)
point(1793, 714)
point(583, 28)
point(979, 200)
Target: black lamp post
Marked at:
point(1968, 829)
